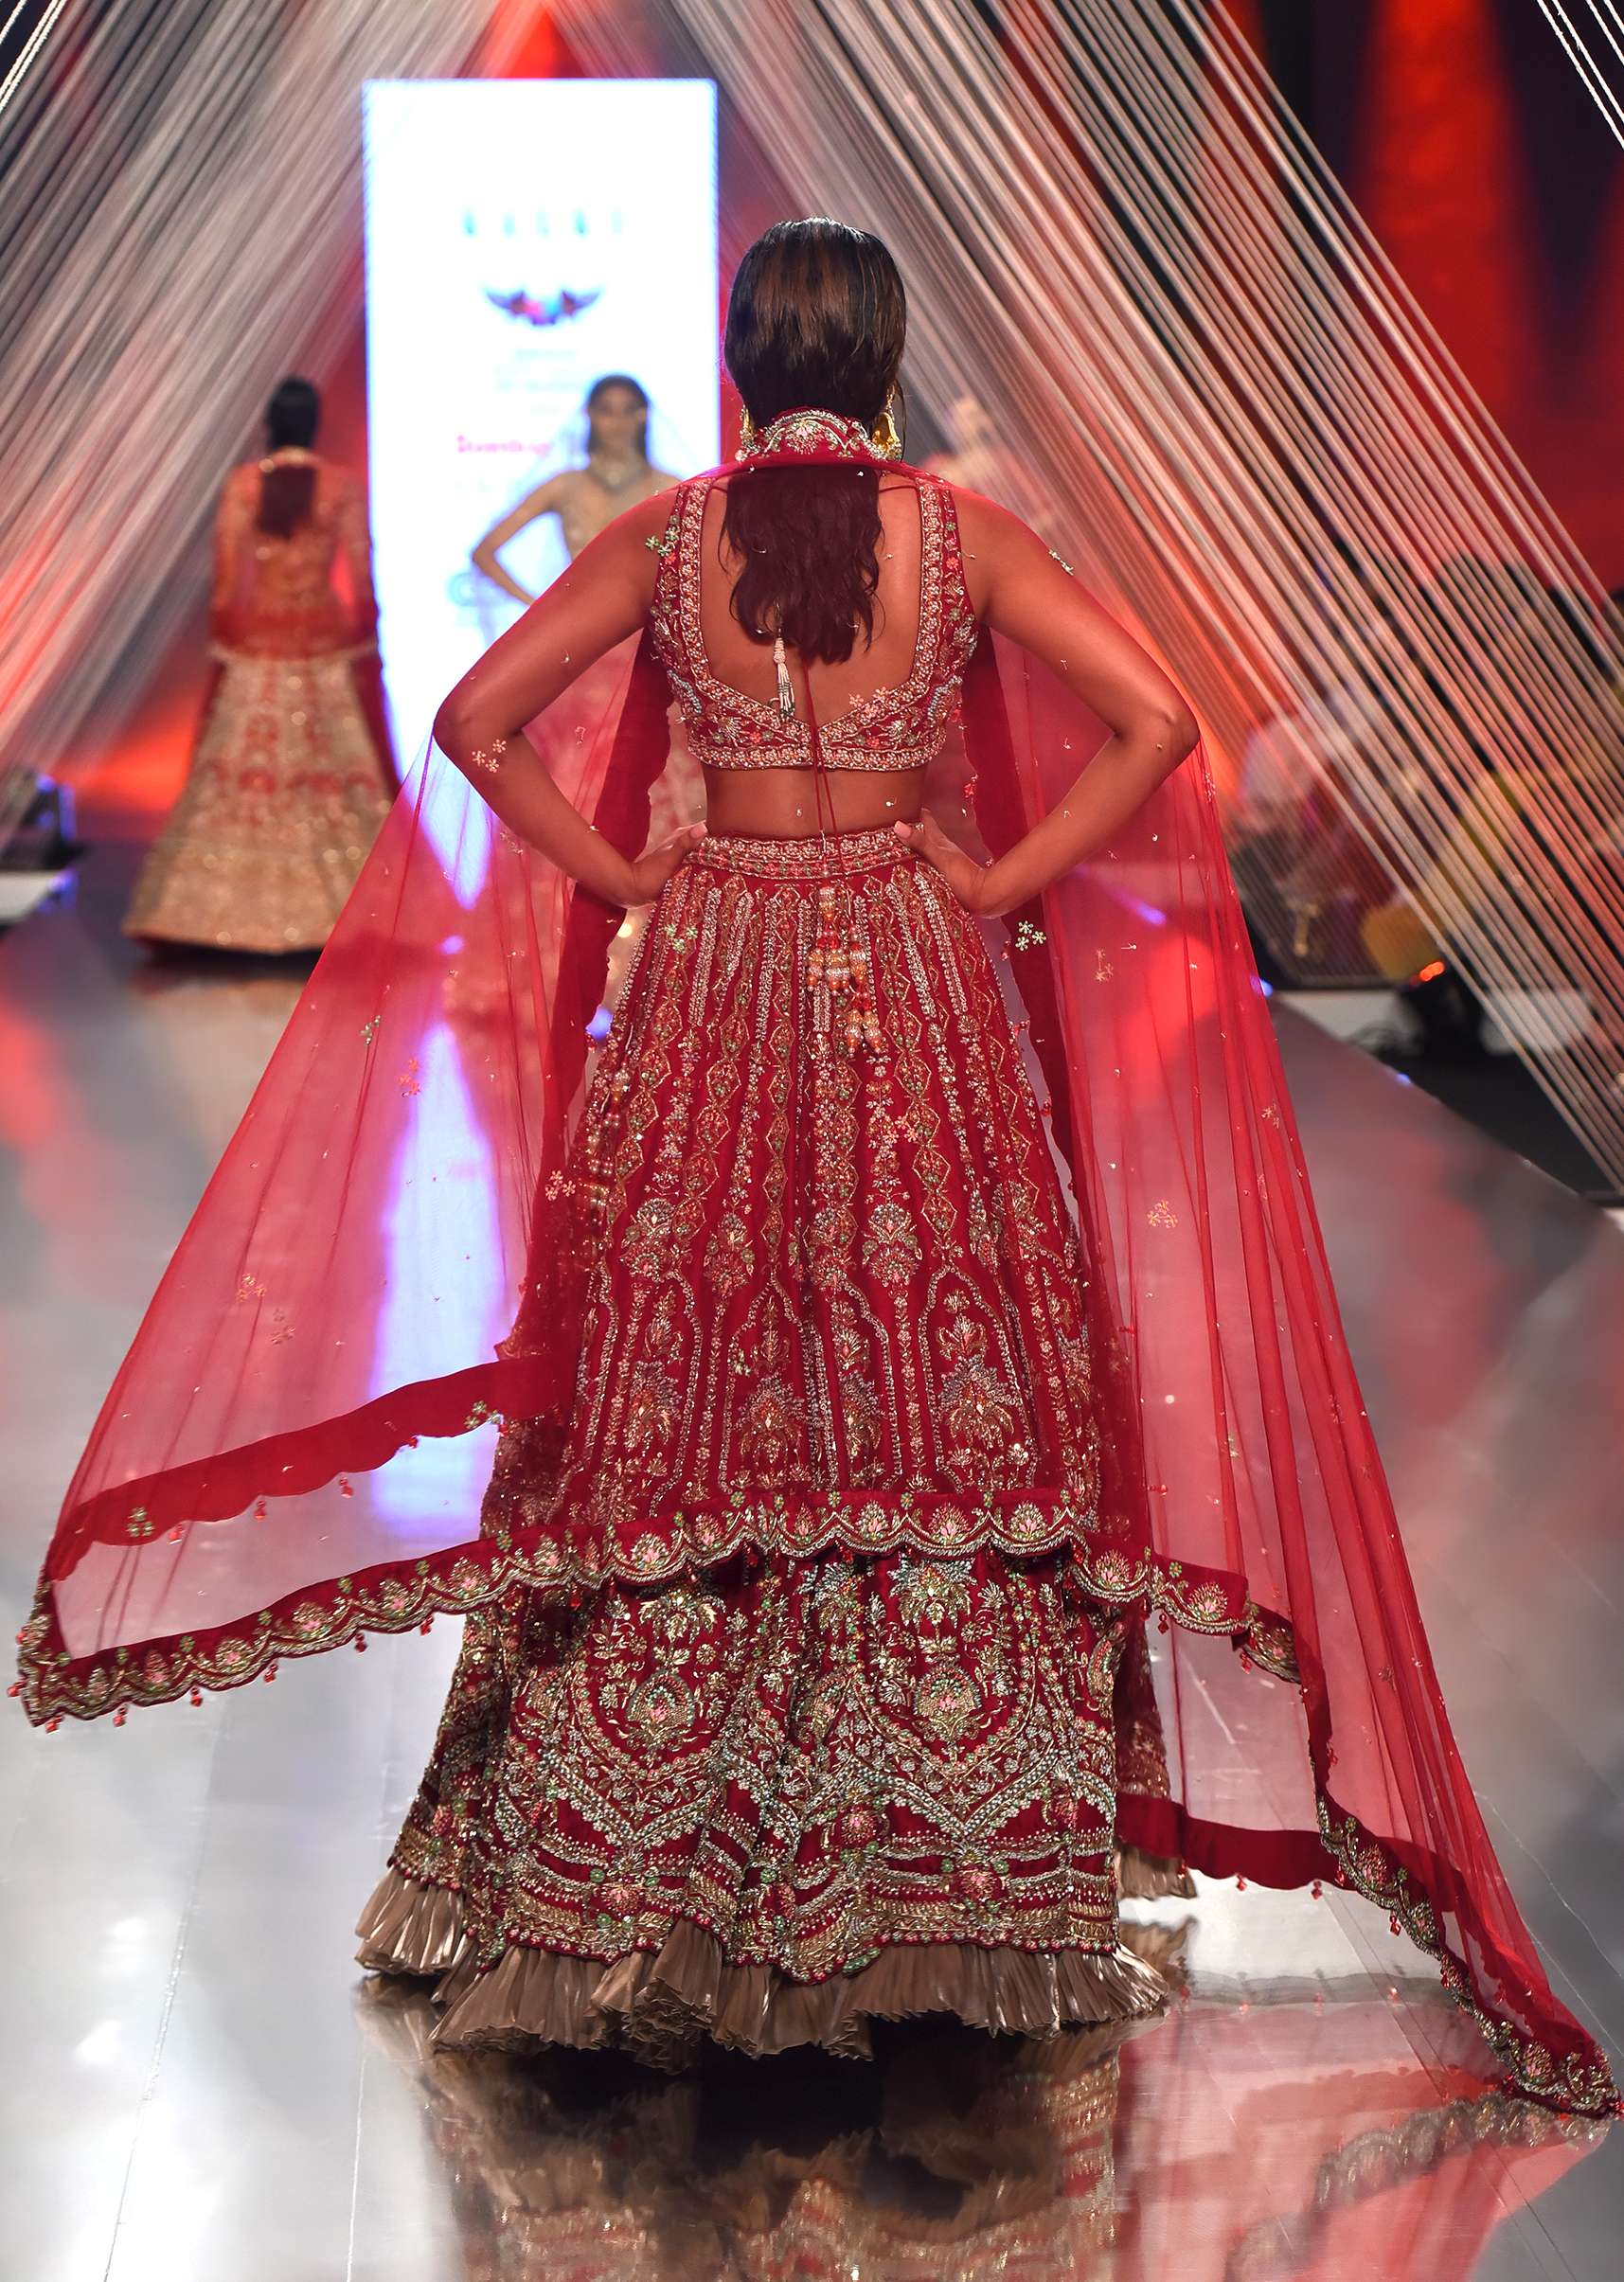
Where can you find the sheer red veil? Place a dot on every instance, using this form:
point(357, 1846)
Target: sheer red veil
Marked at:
point(296, 1447)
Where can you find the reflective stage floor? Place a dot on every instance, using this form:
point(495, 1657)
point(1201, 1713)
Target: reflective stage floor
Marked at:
point(194, 2087)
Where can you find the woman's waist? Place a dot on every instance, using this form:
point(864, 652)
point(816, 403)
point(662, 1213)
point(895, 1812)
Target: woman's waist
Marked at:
point(791, 804)
point(304, 657)
point(316, 621)
point(827, 855)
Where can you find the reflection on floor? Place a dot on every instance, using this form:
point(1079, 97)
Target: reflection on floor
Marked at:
point(959, 2155)
point(194, 2088)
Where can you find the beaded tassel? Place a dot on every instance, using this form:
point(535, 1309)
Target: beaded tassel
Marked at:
point(786, 687)
point(837, 973)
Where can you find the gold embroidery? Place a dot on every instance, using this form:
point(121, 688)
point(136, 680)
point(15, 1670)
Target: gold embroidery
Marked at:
point(934, 1337)
point(284, 799)
point(652, 1753)
point(895, 728)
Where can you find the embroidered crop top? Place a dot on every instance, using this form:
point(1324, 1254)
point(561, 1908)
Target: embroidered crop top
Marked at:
point(897, 728)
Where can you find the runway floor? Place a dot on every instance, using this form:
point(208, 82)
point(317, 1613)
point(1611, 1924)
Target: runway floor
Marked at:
point(194, 2087)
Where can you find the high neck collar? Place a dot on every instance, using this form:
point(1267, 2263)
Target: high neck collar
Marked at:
point(809, 432)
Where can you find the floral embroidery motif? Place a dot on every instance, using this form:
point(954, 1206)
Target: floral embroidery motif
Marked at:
point(864, 1691)
point(933, 1336)
point(901, 727)
point(809, 1762)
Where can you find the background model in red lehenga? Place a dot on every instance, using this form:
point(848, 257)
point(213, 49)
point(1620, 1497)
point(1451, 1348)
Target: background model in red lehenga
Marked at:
point(290, 779)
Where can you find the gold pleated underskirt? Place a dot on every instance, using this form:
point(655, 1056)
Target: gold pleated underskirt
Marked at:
point(663, 2005)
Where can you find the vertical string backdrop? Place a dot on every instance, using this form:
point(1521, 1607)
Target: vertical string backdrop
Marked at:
point(181, 213)
point(1215, 394)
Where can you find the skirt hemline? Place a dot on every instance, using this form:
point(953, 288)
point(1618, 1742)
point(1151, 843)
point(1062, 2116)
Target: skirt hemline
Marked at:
point(662, 2005)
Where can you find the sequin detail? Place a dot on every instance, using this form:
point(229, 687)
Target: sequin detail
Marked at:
point(897, 728)
point(833, 1678)
point(285, 798)
point(818, 856)
point(811, 1762)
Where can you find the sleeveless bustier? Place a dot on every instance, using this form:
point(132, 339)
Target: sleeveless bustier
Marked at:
point(897, 728)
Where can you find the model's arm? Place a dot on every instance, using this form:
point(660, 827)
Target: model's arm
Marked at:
point(355, 545)
point(1027, 592)
point(603, 596)
point(546, 499)
point(232, 522)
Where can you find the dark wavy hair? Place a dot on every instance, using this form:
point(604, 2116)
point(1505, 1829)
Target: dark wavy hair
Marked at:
point(287, 495)
point(816, 317)
point(600, 389)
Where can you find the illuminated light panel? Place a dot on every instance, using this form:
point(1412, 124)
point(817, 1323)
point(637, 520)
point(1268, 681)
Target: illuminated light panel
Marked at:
point(523, 238)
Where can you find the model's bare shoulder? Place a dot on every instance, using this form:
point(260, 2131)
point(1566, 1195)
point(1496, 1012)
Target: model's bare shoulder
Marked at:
point(984, 522)
point(645, 519)
point(991, 538)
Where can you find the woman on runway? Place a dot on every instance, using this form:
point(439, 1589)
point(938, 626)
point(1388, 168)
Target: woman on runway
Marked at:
point(815, 630)
point(914, 1310)
point(617, 473)
point(290, 778)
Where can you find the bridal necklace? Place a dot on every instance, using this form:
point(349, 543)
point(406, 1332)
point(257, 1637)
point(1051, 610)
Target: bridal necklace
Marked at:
point(614, 475)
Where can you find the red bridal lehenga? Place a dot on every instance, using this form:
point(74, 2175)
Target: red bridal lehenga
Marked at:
point(289, 782)
point(882, 1414)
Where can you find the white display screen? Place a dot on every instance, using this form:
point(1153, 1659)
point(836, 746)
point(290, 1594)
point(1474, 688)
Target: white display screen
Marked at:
point(524, 238)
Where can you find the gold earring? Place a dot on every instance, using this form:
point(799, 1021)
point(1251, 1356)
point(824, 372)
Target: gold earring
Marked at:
point(887, 435)
point(746, 433)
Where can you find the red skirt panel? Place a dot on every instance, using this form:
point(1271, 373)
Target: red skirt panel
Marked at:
point(828, 1731)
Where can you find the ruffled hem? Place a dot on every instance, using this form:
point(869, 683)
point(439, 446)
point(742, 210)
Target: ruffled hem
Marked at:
point(411, 1928)
point(663, 2005)
point(1142, 1876)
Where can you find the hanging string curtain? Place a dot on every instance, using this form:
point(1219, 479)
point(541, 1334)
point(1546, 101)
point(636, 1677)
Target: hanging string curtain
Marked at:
point(1592, 36)
point(1213, 391)
point(181, 222)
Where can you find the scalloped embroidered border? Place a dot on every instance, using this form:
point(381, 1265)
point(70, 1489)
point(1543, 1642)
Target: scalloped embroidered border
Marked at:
point(395, 1596)
point(55, 1685)
point(1574, 2082)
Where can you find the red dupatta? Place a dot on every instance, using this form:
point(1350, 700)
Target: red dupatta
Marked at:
point(295, 1450)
